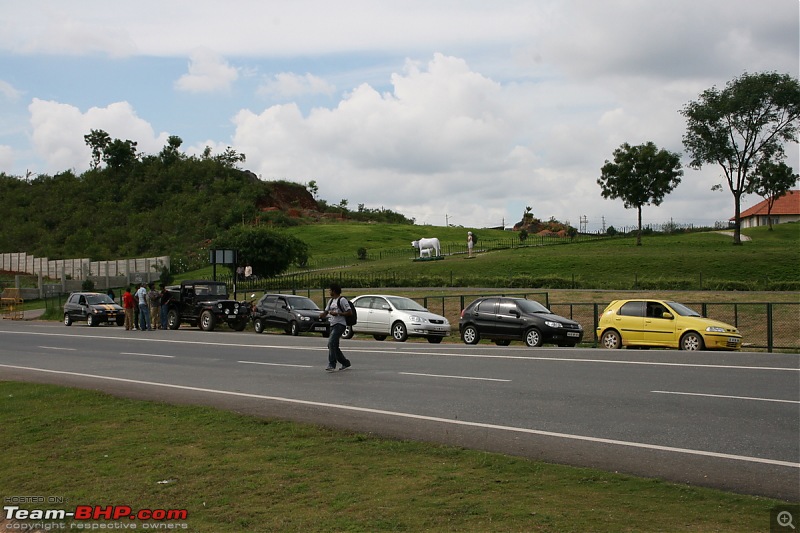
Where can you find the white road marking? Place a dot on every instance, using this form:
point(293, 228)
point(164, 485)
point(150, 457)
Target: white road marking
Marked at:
point(273, 364)
point(57, 348)
point(148, 355)
point(704, 453)
point(724, 396)
point(452, 377)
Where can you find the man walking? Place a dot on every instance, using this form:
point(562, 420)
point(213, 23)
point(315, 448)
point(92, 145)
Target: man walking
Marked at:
point(337, 309)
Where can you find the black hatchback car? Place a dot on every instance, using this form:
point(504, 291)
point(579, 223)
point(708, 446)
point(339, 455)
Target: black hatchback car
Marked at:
point(294, 314)
point(504, 319)
point(94, 308)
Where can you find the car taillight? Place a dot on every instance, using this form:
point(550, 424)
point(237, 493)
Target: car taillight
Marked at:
point(462, 313)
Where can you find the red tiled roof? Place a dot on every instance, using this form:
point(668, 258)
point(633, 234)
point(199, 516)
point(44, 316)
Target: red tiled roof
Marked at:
point(788, 204)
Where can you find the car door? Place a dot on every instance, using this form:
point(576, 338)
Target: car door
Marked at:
point(484, 316)
point(380, 316)
point(364, 309)
point(508, 321)
point(82, 308)
point(659, 331)
point(268, 310)
point(282, 313)
point(629, 321)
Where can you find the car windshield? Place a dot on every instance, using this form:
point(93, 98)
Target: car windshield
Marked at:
point(302, 303)
point(405, 304)
point(531, 306)
point(212, 289)
point(683, 310)
point(95, 299)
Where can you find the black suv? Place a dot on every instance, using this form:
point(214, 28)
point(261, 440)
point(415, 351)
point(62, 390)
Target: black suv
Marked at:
point(94, 308)
point(293, 314)
point(504, 319)
point(205, 304)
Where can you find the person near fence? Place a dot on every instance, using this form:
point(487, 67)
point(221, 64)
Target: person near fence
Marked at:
point(336, 316)
point(470, 243)
point(144, 311)
point(128, 304)
point(154, 300)
point(166, 297)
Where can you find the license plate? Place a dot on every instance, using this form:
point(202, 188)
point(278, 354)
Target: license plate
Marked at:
point(320, 328)
point(573, 334)
point(734, 340)
point(231, 316)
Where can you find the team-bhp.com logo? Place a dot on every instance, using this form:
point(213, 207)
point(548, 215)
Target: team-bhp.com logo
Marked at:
point(95, 512)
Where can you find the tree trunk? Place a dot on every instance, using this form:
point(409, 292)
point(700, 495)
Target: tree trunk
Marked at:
point(737, 220)
point(639, 233)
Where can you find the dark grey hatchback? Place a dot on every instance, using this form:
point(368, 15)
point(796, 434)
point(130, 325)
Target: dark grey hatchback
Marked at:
point(503, 319)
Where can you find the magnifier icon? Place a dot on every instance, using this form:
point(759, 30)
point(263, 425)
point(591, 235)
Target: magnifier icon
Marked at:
point(785, 519)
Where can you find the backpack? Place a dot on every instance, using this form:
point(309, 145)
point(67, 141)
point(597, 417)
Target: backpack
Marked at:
point(474, 238)
point(353, 318)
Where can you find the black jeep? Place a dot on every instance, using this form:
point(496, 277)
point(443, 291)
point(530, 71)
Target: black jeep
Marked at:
point(205, 304)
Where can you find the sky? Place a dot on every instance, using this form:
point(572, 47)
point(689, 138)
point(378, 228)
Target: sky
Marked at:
point(460, 112)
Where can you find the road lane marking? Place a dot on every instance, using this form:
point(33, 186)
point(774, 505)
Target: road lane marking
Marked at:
point(452, 377)
point(400, 414)
point(273, 364)
point(57, 348)
point(724, 396)
point(148, 355)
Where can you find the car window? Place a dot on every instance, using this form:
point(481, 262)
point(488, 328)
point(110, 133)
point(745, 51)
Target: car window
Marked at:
point(364, 302)
point(405, 304)
point(683, 310)
point(99, 299)
point(506, 307)
point(532, 306)
point(82, 300)
point(656, 310)
point(270, 300)
point(632, 309)
point(302, 303)
point(487, 306)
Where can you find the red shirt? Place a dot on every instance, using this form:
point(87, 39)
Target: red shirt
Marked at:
point(127, 300)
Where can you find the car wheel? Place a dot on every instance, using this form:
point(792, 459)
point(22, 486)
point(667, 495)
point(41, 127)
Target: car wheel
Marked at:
point(434, 340)
point(120, 320)
point(67, 319)
point(611, 340)
point(470, 335)
point(91, 321)
point(379, 337)
point(207, 321)
point(348, 332)
point(533, 338)
point(173, 320)
point(258, 325)
point(399, 332)
point(294, 329)
point(238, 326)
point(502, 342)
point(692, 342)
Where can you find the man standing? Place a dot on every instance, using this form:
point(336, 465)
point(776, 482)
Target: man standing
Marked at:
point(128, 304)
point(337, 309)
point(166, 296)
point(154, 299)
point(144, 312)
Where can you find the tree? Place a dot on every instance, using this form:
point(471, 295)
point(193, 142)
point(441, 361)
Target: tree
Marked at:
point(771, 181)
point(120, 154)
point(742, 125)
point(269, 252)
point(170, 153)
point(640, 175)
point(98, 141)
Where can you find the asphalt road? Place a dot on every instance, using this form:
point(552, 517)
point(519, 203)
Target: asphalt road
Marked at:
point(724, 420)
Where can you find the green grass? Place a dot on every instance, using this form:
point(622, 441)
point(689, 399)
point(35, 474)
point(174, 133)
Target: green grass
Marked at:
point(236, 473)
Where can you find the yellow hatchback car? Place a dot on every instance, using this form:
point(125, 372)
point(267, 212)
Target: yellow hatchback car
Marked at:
point(663, 324)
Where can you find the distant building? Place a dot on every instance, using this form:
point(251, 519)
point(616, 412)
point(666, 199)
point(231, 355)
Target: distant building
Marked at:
point(785, 209)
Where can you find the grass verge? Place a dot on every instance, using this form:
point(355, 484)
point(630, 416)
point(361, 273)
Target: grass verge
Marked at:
point(238, 473)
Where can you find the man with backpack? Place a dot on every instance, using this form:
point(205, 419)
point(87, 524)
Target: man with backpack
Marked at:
point(338, 310)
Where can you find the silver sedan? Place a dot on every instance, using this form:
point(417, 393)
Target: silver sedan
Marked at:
point(382, 315)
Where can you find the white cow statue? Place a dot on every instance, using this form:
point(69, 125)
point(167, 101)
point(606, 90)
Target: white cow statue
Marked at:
point(426, 245)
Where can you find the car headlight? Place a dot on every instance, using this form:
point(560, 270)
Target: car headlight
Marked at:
point(554, 324)
point(715, 329)
point(304, 318)
point(416, 319)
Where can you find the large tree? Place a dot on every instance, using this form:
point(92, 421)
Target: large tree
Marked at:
point(269, 252)
point(640, 175)
point(742, 125)
point(771, 181)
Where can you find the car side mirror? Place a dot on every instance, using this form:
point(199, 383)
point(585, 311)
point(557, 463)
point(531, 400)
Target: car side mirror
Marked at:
point(667, 315)
point(515, 313)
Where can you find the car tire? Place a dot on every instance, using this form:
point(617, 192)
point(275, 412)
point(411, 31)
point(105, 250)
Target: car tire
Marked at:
point(692, 342)
point(238, 326)
point(533, 338)
point(91, 320)
point(207, 321)
point(611, 340)
point(348, 332)
point(399, 332)
point(502, 342)
point(294, 329)
point(67, 319)
point(120, 320)
point(434, 340)
point(173, 320)
point(470, 335)
point(379, 337)
point(258, 325)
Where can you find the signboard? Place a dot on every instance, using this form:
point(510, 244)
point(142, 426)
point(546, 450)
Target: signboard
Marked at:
point(222, 257)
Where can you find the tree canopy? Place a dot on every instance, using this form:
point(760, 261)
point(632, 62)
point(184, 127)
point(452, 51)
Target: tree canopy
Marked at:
point(739, 127)
point(640, 175)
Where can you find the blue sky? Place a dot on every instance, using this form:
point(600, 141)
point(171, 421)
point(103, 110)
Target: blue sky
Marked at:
point(462, 111)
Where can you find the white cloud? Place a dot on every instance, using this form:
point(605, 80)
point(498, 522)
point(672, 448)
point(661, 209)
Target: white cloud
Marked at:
point(9, 92)
point(58, 130)
point(288, 85)
point(208, 72)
